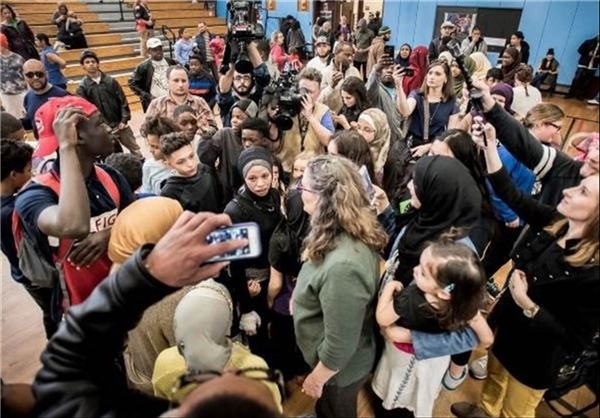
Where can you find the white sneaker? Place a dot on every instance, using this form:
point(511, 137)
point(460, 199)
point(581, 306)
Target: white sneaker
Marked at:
point(450, 382)
point(478, 368)
point(594, 102)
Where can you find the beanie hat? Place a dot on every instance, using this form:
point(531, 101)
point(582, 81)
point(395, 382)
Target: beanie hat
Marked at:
point(88, 54)
point(385, 30)
point(550, 51)
point(44, 118)
point(247, 106)
point(252, 157)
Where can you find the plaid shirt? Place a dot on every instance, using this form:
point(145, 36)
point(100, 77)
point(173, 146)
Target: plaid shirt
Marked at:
point(165, 106)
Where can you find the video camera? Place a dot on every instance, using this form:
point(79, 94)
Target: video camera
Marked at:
point(243, 28)
point(287, 97)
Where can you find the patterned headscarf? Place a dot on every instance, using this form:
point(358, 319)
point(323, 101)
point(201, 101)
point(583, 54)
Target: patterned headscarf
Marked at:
point(380, 146)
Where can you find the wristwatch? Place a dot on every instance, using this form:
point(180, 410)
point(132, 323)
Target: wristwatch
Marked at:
point(531, 312)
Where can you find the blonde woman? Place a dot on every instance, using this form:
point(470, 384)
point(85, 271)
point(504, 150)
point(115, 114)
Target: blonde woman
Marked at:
point(550, 307)
point(334, 300)
point(277, 54)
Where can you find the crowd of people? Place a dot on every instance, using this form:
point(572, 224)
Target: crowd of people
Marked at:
point(385, 201)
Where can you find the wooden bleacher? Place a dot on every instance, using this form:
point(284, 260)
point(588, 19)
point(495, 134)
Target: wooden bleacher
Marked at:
point(113, 39)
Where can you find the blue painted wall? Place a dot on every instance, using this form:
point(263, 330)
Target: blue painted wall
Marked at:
point(562, 25)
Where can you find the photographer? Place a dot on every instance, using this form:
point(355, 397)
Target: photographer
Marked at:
point(245, 86)
point(312, 127)
point(340, 69)
point(382, 94)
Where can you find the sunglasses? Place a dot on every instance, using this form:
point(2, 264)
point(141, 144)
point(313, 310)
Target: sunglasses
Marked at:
point(254, 373)
point(38, 74)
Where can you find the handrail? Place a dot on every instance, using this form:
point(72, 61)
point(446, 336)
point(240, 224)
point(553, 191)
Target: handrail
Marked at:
point(165, 31)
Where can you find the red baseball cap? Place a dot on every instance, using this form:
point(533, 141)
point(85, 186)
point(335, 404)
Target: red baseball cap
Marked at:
point(44, 118)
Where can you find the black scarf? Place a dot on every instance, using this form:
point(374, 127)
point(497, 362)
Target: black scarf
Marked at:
point(449, 198)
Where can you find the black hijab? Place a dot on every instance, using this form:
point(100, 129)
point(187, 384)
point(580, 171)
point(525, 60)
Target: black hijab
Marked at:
point(449, 198)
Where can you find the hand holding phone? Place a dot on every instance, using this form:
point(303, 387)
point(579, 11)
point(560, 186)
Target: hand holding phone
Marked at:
point(408, 72)
point(248, 231)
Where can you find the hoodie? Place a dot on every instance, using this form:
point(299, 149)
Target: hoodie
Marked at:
point(199, 193)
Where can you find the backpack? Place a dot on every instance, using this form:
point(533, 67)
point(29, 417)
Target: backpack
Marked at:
point(40, 271)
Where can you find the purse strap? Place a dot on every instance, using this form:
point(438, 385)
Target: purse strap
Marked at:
point(426, 117)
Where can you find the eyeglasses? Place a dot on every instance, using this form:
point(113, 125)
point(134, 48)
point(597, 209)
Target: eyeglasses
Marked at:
point(38, 74)
point(555, 126)
point(304, 189)
point(254, 373)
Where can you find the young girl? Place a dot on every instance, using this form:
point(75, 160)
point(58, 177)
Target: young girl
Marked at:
point(299, 166)
point(445, 295)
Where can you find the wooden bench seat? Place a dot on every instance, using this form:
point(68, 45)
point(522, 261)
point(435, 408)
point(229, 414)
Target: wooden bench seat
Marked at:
point(46, 18)
point(25, 10)
point(178, 13)
point(88, 28)
point(97, 40)
point(104, 52)
point(114, 65)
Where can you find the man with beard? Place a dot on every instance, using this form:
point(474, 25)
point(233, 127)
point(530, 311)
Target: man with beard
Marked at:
point(439, 45)
point(363, 37)
point(149, 78)
point(321, 60)
point(178, 95)
point(340, 68)
point(376, 49)
point(381, 92)
point(244, 85)
point(40, 92)
point(68, 212)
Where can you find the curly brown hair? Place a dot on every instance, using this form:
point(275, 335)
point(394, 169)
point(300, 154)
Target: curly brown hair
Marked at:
point(342, 207)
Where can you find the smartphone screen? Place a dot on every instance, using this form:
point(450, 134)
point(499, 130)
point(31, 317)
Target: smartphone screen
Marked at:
point(249, 231)
point(389, 50)
point(367, 183)
point(408, 72)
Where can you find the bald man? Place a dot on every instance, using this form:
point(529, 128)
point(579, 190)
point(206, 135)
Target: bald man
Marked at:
point(40, 91)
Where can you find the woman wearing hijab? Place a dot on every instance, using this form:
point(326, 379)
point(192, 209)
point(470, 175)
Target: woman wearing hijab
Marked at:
point(482, 66)
point(458, 77)
point(503, 95)
point(201, 324)
point(403, 57)
point(145, 221)
point(511, 59)
point(444, 195)
point(374, 127)
point(418, 63)
point(20, 37)
point(256, 201)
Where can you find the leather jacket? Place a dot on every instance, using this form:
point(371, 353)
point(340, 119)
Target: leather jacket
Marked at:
point(80, 376)
point(141, 80)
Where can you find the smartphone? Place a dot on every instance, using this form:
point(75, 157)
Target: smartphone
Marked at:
point(249, 231)
point(367, 183)
point(408, 72)
point(389, 50)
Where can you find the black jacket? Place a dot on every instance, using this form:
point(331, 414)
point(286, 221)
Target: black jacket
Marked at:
point(201, 46)
point(587, 47)
point(200, 193)
point(109, 98)
point(556, 170)
point(533, 350)
point(79, 376)
point(141, 80)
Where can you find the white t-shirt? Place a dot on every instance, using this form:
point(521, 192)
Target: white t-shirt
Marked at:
point(317, 64)
point(522, 103)
point(159, 85)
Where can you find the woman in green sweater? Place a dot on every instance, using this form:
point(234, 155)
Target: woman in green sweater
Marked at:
point(334, 299)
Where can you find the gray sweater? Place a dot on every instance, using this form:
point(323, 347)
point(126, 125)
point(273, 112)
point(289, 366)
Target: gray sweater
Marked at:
point(334, 308)
point(381, 99)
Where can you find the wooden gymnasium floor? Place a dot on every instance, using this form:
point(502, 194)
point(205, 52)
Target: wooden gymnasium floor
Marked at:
point(23, 338)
